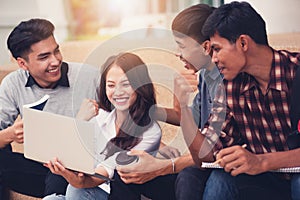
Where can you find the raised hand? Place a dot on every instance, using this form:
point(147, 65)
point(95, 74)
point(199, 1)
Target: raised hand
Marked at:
point(89, 108)
point(185, 84)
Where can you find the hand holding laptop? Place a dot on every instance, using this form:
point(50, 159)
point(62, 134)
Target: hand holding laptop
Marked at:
point(74, 178)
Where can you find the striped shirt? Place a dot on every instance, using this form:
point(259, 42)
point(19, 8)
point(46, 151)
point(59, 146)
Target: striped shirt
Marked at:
point(246, 115)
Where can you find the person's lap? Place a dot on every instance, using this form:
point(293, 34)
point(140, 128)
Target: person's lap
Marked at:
point(73, 193)
point(220, 183)
point(262, 186)
point(16, 172)
point(28, 177)
point(162, 187)
point(190, 183)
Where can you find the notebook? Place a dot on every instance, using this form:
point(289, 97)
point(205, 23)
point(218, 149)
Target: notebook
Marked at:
point(282, 170)
point(48, 135)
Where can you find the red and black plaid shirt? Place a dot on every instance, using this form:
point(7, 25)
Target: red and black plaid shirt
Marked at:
point(260, 121)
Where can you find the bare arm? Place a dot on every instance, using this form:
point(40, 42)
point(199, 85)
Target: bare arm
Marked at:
point(200, 149)
point(169, 115)
point(149, 167)
point(196, 142)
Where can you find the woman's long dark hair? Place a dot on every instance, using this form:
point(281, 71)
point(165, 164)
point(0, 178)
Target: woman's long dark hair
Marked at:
point(138, 121)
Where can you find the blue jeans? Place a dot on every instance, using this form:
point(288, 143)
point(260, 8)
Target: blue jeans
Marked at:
point(190, 183)
point(295, 187)
point(73, 193)
point(262, 186)
point(220, 185)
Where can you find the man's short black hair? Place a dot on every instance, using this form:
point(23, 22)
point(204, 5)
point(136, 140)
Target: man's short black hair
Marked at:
point(234, 19)
point(26, 34)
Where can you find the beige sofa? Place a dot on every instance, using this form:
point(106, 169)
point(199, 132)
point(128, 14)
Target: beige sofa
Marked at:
point(84, 51)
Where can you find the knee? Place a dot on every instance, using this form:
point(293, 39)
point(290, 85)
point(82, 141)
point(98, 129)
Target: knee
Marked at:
point(54, 197)
point(221, 182)
point(187, 174)
point(191, 176)
point(74, 193)
point(219, 176)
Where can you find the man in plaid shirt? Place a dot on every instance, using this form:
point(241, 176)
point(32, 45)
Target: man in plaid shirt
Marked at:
point(251, 108)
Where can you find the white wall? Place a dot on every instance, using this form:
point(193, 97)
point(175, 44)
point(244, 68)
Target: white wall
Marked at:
point(280, 15)
point(12, 12)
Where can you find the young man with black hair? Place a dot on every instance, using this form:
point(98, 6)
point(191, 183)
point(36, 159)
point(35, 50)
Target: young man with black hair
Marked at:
point(257, 95)
point(42, 71)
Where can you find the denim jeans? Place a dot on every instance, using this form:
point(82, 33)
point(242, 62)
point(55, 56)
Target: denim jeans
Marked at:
point(243, 187)
point(295, 187)
point(220, 185)
point(73, 193)
point(190, 183)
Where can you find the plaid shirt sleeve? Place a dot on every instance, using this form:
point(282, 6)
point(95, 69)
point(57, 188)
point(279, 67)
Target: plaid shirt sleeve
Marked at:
point(220, 128)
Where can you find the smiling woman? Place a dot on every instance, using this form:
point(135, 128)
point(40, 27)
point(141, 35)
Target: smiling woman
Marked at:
point(118, 89)
point(126, 87)
point(126, 97)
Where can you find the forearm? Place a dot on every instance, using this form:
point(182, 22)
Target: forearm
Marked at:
point(182, 162)
point(276, 160)
point(168, 115)
point(198, 146)
point(5, 138)
point(179, 164)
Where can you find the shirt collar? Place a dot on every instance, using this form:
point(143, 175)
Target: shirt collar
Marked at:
point(110, 118)
point(213, 74)
point(63, 81)
point(278, 80)
point(277, 76)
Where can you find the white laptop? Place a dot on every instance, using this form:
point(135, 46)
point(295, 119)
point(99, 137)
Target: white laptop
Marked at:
point(48, 135)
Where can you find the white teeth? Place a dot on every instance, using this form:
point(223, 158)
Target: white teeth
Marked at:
point(53, 70)
point(121, 100)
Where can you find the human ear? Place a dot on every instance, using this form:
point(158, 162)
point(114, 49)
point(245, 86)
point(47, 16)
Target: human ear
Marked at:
point(22, 63)
point(206, 46)
point(243, 42)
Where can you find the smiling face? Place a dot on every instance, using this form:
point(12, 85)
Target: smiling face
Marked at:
point(191, 53)
point(229, 57)
point(43, 62)
point(118, 89)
